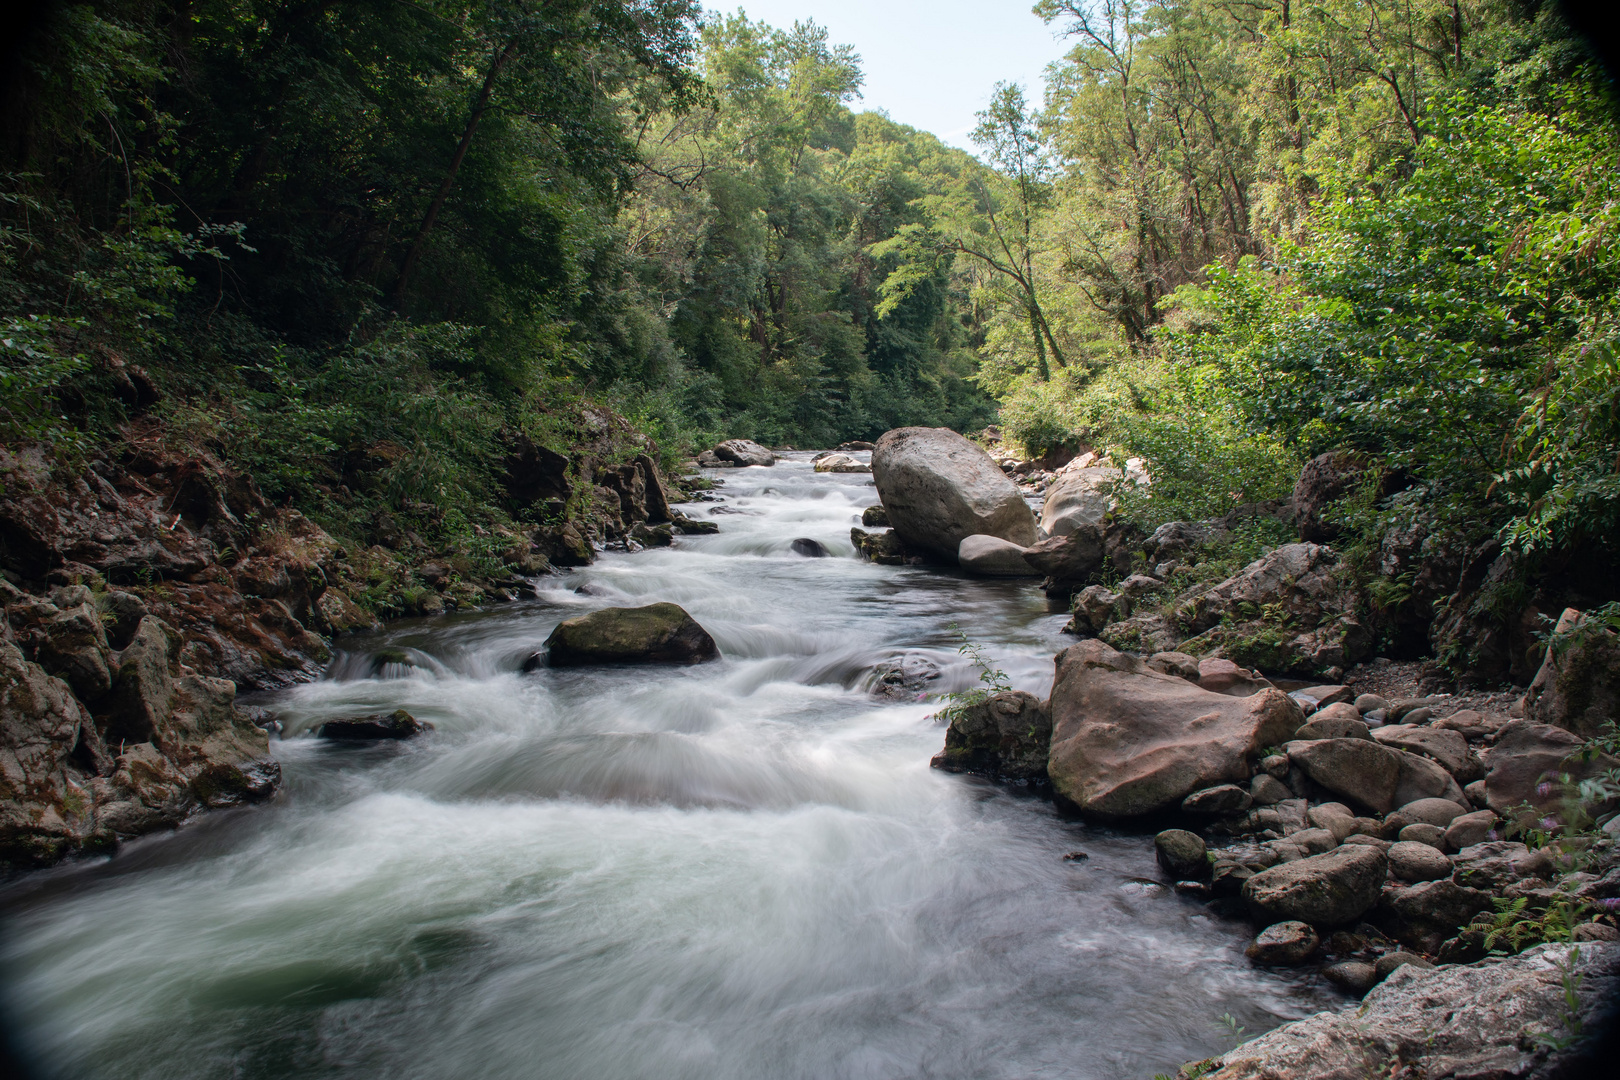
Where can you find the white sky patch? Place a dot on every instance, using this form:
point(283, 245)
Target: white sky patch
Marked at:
point(930, 64)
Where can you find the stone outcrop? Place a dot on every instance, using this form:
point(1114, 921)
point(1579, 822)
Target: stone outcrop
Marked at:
point(1578, 685)
point(1503, 1018)
point(1005, 736)
point(45, 811)
point(1129, 740)
point(938, 489)
point(165, 742)
point(1286, 611)
point(1528, 762)
point(655, 634)
point(1324, 480)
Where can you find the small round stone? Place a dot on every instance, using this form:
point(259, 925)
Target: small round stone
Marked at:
point(1351, 976)
point(1421, 833)
point(1412, 861)
point(1366, 703)
point(1283, 944)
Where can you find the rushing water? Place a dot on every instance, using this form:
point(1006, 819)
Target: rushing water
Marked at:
point(743, 870)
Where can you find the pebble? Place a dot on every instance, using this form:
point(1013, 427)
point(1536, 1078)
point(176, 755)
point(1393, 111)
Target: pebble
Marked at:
point(1353, 976)
point(1412, 861)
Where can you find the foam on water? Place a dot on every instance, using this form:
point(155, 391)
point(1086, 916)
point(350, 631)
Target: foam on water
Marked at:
point(744, 869)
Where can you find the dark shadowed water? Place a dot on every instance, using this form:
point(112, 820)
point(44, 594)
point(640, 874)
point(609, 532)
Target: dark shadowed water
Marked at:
point(737, 871)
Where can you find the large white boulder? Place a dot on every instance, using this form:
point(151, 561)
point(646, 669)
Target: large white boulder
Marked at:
point(938, 489)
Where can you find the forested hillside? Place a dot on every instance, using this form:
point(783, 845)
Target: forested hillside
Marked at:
point(360, 251)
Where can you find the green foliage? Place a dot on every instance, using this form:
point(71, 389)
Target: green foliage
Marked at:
point(992, 680)
point(1514, 927)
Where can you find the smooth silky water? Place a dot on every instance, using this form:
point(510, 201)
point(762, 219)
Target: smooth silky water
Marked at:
point(744, 869)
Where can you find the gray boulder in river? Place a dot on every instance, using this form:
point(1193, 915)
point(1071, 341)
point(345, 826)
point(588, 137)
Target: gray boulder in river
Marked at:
point(938, 489)
point(736, 453)
point(655, 634)
point(1129, 740)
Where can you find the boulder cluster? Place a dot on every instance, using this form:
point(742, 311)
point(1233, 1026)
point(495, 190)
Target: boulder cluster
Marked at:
point(1357, 832)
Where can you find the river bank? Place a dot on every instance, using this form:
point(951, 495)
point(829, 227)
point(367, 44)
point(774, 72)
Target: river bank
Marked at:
point(742, 866)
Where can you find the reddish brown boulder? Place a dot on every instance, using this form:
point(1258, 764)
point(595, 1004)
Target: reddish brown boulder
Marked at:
point(1129, 740)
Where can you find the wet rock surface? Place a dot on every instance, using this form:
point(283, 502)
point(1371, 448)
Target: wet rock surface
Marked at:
point(1004, 736)
point(398, 724)
point(656, 634)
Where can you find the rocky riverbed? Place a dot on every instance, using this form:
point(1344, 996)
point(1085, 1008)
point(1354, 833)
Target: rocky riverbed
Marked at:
point(1221, 836)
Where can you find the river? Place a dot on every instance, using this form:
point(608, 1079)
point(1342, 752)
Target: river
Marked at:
point(744, 869)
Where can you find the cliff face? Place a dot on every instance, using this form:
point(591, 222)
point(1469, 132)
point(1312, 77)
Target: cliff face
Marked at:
point(144, 588)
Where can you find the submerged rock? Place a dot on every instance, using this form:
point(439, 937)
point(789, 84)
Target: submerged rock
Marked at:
point(655, 634)
point(810, 549)
point(398, 724)
point(938, 488)
point(906, 678)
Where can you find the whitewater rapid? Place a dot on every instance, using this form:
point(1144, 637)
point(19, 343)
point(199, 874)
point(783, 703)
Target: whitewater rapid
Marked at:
point(744, 869)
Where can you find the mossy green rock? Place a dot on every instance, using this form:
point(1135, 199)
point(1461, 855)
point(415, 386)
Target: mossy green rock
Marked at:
point(1005, 736)
point(655, 634)
point(1182, 854)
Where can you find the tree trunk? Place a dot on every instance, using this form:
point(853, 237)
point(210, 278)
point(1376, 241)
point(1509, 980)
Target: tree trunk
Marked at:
point(414, 255)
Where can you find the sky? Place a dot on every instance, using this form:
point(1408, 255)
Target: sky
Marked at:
point(929, 63)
